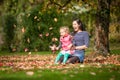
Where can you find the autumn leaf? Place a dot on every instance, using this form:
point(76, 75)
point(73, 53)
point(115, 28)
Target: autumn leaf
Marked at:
point(82, 65)
point(93, 73)
point(30, 73)
point(47, 34)
point(23, 30)
point(55, 19)
point(35, 17)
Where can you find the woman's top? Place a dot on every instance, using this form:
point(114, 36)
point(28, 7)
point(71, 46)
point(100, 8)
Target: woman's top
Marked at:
point(81, 38)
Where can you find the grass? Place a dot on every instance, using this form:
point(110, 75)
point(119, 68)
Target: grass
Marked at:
point(112, 51)
point(115, 51)
point(86, 73)
point(25, 53)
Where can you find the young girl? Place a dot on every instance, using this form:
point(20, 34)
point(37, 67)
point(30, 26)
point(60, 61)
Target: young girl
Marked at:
point(66, 44)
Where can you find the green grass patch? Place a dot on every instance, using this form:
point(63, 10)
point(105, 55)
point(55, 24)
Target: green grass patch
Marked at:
point(25, 53)
point(115, 51)
point(86, 73)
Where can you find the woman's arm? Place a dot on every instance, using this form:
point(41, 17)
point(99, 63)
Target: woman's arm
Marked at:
point(81, 47)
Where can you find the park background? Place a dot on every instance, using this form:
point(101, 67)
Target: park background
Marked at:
point(30, 25)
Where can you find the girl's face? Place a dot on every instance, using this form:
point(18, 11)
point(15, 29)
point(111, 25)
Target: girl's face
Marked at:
point(75, 26)
point(62, 32)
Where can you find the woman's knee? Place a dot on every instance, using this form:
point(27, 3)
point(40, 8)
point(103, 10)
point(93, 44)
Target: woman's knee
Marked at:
point(73, 60)
point(68, 61)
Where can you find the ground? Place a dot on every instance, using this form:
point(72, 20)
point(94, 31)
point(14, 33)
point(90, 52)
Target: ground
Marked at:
point(32, 66)
point(37, 61)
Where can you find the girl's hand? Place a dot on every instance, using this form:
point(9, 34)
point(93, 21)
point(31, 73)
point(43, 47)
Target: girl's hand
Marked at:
point(72, 48)
point(52, 48)
point(57, 48)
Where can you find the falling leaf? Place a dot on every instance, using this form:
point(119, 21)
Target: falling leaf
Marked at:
point(26, 49)
point(14, 26)
point(47, 34)
point(28, 15)
point(54, 39)
point(50, 28)
point(23, 30)
point(28, 40)
point(14, 49)
point(38, 19)
point(55, 19)
point(35, 17)
point(40, 35)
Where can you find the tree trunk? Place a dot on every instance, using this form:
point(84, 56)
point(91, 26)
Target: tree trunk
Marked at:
point(102, 27)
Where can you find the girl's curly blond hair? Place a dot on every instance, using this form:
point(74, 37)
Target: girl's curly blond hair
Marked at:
point(66, 28)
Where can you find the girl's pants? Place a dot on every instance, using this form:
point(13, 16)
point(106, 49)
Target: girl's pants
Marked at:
point(66, 55)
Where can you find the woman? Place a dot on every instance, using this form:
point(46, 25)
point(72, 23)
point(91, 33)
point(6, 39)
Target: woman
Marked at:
point(80, 42)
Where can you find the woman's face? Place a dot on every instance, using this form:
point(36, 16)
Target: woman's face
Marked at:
point(75, 26)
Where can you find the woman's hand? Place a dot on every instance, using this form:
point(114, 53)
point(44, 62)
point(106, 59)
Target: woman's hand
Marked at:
point(73, 47)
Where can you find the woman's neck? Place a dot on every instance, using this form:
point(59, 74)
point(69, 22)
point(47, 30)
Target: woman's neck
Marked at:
point(79, 31)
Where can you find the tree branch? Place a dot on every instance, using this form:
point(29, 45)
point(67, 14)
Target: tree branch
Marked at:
point(60, 6)
point(67, 2)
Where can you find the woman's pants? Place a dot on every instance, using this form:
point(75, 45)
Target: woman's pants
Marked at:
point(71, 59)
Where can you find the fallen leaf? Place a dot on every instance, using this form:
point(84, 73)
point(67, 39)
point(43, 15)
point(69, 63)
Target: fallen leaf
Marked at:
point(30, 73)
point(82, 65)
point(93, 73)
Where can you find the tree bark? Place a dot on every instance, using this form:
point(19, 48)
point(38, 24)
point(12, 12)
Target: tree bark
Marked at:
point(101, 45)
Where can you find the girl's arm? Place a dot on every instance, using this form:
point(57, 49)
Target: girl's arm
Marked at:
point(59, 46)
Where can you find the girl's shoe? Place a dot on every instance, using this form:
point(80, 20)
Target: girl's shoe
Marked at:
point(63, 63)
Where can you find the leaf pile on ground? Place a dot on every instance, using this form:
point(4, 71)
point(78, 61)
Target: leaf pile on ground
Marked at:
point(111, 59)
point(31, 61)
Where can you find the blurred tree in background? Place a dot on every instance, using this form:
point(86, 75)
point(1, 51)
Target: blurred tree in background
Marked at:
point(33, 23)
point(102, 27)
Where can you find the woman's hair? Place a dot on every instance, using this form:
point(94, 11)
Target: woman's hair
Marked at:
point(79, 22)
point(65, 28)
